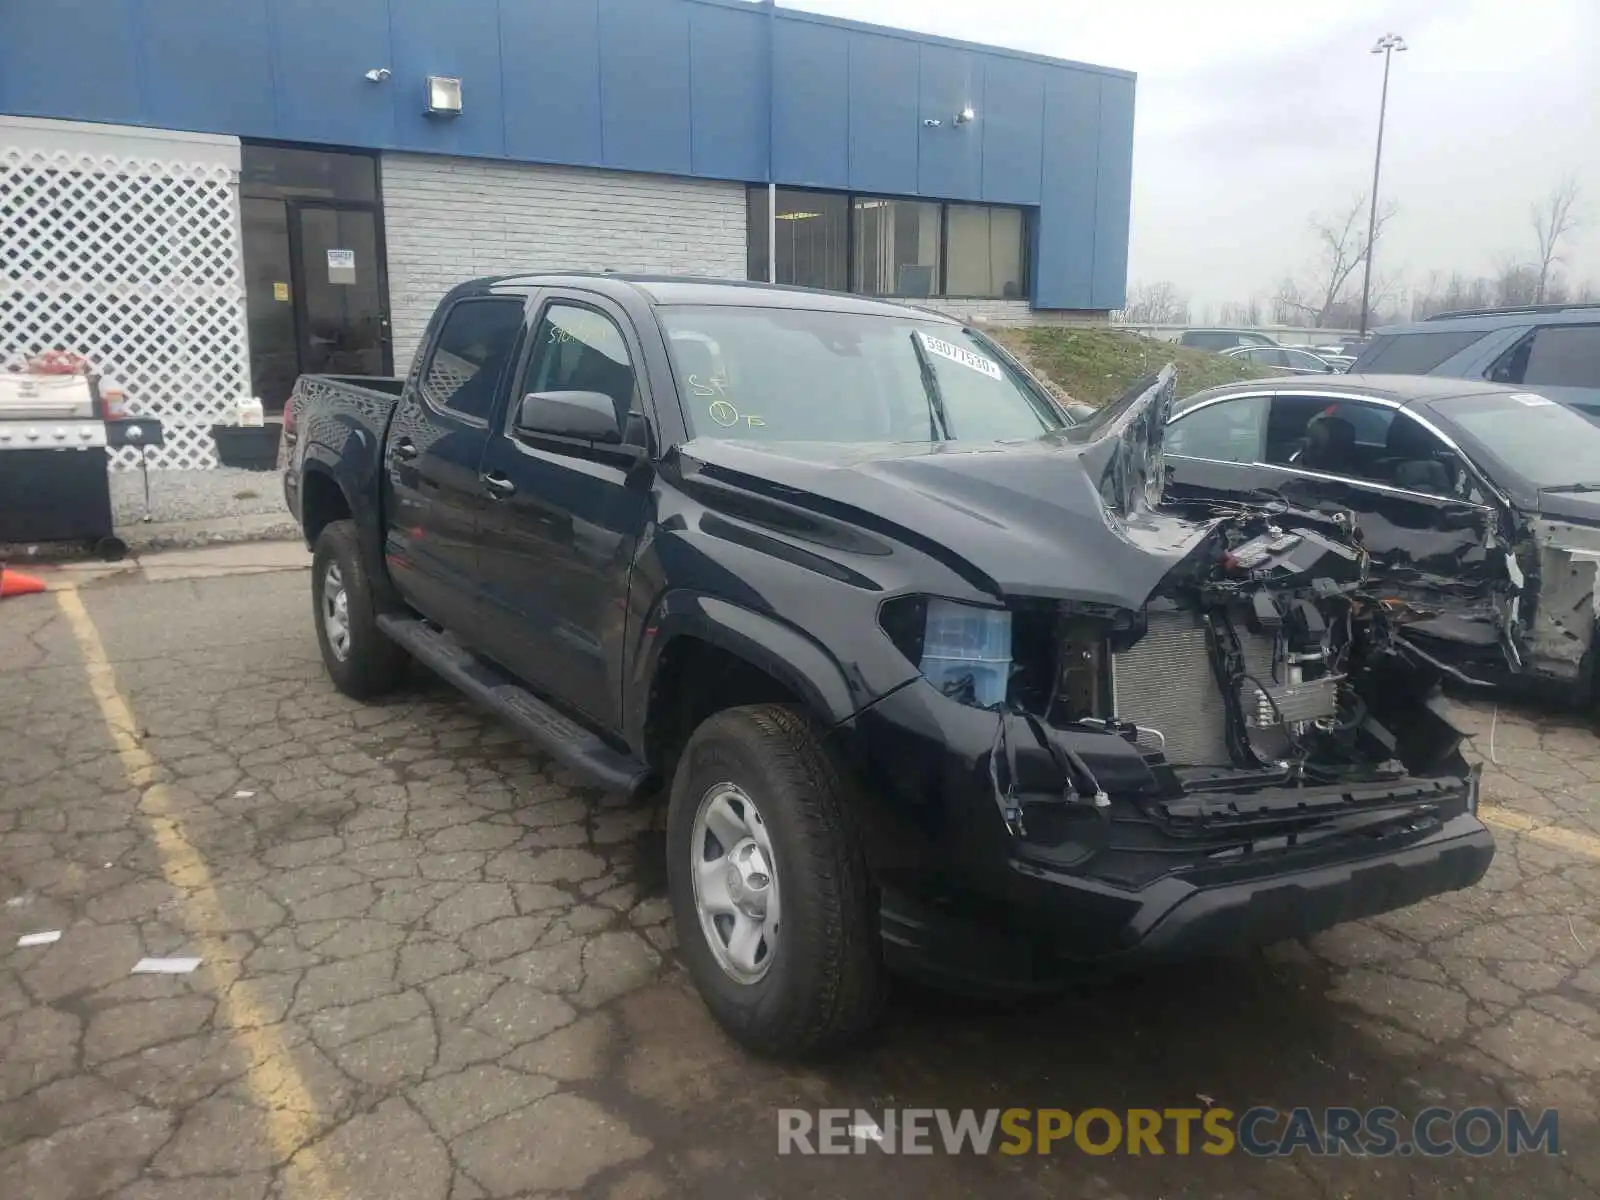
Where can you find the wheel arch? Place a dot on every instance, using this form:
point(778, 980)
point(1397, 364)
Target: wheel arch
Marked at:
point(700, 654)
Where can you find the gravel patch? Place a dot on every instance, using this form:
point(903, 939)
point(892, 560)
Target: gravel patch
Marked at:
point(197, 495)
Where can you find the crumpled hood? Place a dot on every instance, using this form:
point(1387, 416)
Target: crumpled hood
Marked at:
point(1071, 514)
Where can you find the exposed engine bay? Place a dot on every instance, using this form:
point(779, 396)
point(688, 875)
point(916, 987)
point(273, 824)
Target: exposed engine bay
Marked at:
point(1262, 653)
point(1261, 667)
point(1259, 659)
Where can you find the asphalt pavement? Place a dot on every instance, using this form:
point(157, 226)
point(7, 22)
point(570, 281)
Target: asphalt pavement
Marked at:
point(432, 966)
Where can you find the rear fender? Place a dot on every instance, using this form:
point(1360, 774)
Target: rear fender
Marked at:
point(320, 461)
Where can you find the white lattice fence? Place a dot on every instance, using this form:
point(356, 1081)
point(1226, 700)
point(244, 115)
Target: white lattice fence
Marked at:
point(135, 264)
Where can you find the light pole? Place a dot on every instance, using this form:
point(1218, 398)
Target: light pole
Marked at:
point(1386, 46)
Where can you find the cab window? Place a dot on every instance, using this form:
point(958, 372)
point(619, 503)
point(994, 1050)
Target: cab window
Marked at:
point(576, 349)
point(474, 346)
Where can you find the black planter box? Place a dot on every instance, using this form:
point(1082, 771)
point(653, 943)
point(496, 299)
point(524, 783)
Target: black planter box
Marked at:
point(253, 447)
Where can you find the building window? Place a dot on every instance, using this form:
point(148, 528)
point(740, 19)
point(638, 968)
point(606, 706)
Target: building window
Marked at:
point(881, 246)
point(896, 247)
point(813, 238)
point(983, 255)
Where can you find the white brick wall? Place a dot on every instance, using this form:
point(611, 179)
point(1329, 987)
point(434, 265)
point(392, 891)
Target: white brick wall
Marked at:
point(1012, 312)
point(451, 219)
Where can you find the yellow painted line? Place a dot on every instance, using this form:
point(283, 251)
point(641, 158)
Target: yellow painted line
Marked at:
point(275, 1083)
point(1585, 844)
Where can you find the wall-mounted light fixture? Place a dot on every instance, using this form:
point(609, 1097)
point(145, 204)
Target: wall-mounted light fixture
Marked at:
point(965, 116)
point(379, 74)
point(444, 96)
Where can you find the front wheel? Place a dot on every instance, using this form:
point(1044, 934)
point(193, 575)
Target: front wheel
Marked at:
point(361, 662)
point(769, 890)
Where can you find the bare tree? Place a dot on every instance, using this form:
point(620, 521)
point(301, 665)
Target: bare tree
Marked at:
point(1158, 303)
point(1554, 218)
point(1342, 248)
point(1240, 314)
point(1516, 283)
point(1449, 295)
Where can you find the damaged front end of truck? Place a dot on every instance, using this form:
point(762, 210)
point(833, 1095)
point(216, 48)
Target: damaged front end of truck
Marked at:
point(1254, 730)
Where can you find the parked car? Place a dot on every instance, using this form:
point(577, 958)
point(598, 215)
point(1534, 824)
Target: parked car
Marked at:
point(1218, 340)
point(1554, 349)
point(1282, 358)
point(932, 679)
point(1334, 353)
point(1478, 503)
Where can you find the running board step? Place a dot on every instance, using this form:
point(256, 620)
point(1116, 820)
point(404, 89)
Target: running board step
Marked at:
point(558, 735)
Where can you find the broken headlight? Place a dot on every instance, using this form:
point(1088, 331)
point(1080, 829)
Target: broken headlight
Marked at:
point(967, 650)
point(964, 650)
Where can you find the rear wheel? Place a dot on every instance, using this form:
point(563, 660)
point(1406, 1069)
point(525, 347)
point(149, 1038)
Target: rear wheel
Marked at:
point(769, 890)
point(359, 659)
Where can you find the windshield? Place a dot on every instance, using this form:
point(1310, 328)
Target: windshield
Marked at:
point(792, 375)
point(1530, 435)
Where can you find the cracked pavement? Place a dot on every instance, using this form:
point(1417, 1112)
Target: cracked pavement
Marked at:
point(435, 968)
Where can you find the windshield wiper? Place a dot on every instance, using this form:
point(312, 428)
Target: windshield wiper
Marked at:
point(938, 419)
point(1573, 487)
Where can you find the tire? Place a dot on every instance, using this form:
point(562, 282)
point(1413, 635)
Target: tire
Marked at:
point(820, 981)
point(363, 663)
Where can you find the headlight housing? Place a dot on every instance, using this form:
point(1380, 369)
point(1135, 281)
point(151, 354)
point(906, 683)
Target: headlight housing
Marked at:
point(964, 650)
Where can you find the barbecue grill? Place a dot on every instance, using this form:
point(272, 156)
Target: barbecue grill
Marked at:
point(54, 449)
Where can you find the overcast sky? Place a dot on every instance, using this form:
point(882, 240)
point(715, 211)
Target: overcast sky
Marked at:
point(1253, 115)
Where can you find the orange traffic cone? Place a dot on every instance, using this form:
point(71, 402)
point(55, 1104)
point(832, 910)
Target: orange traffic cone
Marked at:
point(15, 583)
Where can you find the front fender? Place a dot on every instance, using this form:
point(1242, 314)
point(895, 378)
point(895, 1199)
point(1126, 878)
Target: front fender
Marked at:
point(779, 649)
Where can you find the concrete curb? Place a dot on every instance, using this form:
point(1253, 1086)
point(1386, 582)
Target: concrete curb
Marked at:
point(157, 536)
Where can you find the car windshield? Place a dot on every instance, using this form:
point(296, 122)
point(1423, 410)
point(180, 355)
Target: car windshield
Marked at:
point(1532, 436)
point(788, 375)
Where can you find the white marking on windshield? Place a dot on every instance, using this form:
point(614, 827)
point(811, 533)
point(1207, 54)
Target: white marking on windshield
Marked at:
point(959, 354)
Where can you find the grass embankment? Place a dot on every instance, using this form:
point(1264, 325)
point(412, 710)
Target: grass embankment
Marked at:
point(1096, 365)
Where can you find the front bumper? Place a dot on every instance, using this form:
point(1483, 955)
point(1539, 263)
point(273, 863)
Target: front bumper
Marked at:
point(963, 950)
point(970, 904)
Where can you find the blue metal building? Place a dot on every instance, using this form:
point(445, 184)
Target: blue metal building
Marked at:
point(383, 149)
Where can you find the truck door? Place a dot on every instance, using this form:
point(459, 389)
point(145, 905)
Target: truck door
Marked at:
point(431, 458)
point(562, 517)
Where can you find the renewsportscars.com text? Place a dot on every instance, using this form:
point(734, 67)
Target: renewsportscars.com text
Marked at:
point(1259, 1132)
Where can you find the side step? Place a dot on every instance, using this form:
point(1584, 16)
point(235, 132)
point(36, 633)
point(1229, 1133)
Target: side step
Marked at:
point(558, 735)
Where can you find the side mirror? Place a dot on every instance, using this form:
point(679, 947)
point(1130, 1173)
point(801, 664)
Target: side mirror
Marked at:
point(587, 416)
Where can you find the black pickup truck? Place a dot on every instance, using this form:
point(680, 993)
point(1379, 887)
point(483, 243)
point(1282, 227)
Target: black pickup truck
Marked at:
point(932, 676)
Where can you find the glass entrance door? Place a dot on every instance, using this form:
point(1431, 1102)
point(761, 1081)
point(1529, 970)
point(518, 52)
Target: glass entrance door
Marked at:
point(269, 275)
point(341, 302)
point(315, 285)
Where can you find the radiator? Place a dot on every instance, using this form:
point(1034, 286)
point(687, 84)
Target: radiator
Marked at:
point(1165, 682)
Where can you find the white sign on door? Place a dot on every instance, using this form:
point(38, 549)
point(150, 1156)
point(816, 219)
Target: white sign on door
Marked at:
point(341, 266)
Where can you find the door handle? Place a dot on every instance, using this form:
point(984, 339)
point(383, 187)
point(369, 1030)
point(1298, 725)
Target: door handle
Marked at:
point(405, 448)
point(498, 486)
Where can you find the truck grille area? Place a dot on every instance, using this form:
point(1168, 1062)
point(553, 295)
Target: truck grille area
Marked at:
point(1165, 682)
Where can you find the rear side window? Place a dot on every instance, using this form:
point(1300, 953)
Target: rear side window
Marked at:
point(1554, 356)
point(1228, 431)
point(1413, 353)
point(474, 347)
